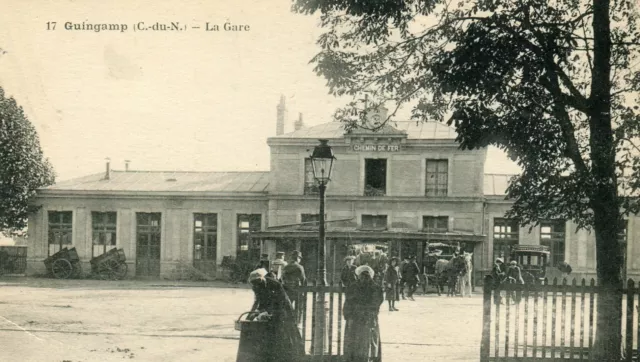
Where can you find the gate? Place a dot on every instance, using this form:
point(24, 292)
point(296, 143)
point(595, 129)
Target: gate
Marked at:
point(148, 236)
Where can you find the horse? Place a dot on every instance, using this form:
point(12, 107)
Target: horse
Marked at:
point(465, 275)
point(448, 270)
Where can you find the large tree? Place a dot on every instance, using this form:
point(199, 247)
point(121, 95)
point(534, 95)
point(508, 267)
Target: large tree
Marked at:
point(554, 83)
point(23, 169)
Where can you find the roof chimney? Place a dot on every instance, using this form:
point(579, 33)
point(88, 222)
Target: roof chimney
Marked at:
point(126, 165)
point(299, 123)
point(107, 175)
point(282, 114)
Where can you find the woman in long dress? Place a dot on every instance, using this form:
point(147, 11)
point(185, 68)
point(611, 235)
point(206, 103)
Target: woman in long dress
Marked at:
point(361, 307)
point(272, 303)
point(391, 281)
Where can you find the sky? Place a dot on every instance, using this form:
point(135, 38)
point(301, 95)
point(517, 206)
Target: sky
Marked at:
point(192, 100)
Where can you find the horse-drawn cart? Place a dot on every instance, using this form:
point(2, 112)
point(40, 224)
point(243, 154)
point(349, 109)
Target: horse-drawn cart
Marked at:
point(64, 264)
point(110, 265)
point(432, 253)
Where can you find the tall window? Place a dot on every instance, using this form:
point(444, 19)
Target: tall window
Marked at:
point(375, 177)
point(60, 230)
point(310, 183)
point(552, 234)
point(103, 227)
point(374, 222)
point(435, 224)
point(248, 223)
point(437, 178)
point(505, 235)
point(205, 229)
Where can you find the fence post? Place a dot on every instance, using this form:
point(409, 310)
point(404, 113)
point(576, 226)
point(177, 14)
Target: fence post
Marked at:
point(629, 327)
point(486, 319)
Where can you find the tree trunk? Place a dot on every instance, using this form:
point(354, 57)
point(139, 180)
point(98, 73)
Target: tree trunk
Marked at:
point(607, 346)
point(604, 197)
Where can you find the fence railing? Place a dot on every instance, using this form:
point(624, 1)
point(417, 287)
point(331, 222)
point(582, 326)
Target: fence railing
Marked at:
point(13, 259)
point(550, 321)
point(332, 297)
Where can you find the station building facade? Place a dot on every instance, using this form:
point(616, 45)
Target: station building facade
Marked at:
point(402, 187)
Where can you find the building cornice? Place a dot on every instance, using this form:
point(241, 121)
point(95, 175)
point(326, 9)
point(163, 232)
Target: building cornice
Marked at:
point(42, 194)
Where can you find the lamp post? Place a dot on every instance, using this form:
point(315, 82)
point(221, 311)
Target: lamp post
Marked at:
point(322, 162)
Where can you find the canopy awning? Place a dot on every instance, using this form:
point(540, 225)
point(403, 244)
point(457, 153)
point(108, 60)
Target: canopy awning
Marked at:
point(356, 234)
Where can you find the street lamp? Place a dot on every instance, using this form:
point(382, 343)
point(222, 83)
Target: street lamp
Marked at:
point(322, 162)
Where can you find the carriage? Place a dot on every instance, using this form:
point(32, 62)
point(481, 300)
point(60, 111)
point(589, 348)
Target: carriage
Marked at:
point(432, 253)
point(110, 265)
point(532, 260)
point(64, 264)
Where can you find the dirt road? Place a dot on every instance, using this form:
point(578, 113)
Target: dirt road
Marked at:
point(48, 320)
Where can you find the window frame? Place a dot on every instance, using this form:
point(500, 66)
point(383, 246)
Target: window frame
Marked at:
point(376, 191)
point(427, 226)
point(373, 218)
point(555, 240)
point(57, 225)
point(311, 185)
point(438, 188)
point(254, 223)
point(506, 239)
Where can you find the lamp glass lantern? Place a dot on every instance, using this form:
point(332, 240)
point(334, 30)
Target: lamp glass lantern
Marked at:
point(322, 161)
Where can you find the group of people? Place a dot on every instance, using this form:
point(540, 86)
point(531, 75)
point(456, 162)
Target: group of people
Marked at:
point(276, 302)
point(501, 274)
point(395, 278)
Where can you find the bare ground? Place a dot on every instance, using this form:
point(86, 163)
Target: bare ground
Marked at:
point(79, 320)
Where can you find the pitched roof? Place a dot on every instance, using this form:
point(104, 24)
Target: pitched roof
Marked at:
point(413, 130)
point(171, 181)
point(496, 184)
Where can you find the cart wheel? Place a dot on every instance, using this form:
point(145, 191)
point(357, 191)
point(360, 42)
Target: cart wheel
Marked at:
point(62, 269)
point(121, 271)
point(106, 269)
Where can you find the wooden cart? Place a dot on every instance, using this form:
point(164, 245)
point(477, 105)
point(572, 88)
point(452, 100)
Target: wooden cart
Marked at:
point(64, 264)
point(110, 265)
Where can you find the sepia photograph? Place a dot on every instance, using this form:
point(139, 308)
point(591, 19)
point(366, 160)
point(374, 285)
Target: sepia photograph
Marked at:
point(319, 180)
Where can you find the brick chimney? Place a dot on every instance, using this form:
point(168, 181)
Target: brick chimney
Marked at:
point(299, 123)
point(282, 115)
point(107, 174)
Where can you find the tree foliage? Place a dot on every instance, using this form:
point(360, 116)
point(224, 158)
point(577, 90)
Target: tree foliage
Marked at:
point(553, 83)
point(23, 168)
point(513, 74)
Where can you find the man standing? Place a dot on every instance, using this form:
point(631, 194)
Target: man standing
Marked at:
point(278, 265)
point(411, 276)
point(498, 275)
point(403, 280)
point(293, 278)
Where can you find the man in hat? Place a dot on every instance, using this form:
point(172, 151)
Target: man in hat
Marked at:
point(411, 276)
point(497, 274)
point(514, 276)
point(348, 274)
point(293, 278)
point(403, 281)
point(277, 265)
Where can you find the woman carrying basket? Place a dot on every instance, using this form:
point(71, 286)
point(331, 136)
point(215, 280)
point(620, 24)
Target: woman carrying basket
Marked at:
point(272, 303)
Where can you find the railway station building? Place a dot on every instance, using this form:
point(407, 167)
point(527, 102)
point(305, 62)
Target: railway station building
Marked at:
point(401, 188)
